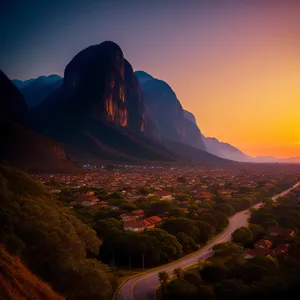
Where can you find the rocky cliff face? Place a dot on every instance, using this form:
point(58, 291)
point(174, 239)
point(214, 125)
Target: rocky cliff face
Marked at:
point(102, 81)
point(99, 109)
point(166, 112)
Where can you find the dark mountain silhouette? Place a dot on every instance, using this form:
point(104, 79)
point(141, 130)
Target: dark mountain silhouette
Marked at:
point(166, 112)
point(36, 90)
point(13, 106)
point(99, 109)
point(23, 147)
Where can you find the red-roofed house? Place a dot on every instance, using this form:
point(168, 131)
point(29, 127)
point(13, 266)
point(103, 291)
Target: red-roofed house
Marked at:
point(280, 232)
point(147, 223)
point(164, 195)
point(263, 244)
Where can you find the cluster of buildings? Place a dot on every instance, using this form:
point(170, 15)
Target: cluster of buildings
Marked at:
point(276, 243)
point(228, 179)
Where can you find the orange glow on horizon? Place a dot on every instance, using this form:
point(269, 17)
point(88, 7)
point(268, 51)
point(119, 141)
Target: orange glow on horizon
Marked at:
point(242, 81)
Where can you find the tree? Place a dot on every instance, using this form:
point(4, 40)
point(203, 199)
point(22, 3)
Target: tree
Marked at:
point(226, 209)
point(163, 278)
point(160, 207)
point(257, 231)
point(181, 179)
point(242, 236)
point(226, 249)
point(213, 273)
point(54, 243)
point(222, 221)
point(177, 213)
point(181, 289)
point(170, 248)
point(145, 191)
point(186, 241)
point(229, 288)
point(178, 272)
point(209, 218)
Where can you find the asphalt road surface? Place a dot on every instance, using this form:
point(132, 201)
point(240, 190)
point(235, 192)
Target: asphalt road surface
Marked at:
point(143, 287)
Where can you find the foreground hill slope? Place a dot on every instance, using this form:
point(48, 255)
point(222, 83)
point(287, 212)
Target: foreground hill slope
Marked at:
point(52, 242)
point(19, 283)
point(21, 146)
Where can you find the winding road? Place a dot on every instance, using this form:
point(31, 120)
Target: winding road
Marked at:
point(143, 287)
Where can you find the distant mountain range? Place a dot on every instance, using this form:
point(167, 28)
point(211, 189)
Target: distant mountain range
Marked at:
point(228, 151)
point(36, 90)
point(102, 111)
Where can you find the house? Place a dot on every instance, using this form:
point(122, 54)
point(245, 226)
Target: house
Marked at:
point(87, 200)
point(138, 213)
point(266, 244)
point(132, 216)
point(164, 195)
point(201, 210)
point(225, 192)
point(140, 225)
point(281, 249)
point(250, 253)
point(134, 226)
point(204, 195)
point(280, 232)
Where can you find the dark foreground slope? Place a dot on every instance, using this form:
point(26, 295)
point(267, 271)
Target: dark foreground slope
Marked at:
point(19, 283)
point(50, 240)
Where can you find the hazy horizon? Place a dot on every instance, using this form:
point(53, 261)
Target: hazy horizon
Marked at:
point(235, 66)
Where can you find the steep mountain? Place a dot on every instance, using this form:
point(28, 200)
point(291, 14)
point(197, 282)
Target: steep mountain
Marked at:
point(99, 109)
point(23, 147)
point(166, 112)
point(36, 90)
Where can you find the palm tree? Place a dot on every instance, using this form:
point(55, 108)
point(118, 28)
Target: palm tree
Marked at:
point(178, 272)
point(163, 278)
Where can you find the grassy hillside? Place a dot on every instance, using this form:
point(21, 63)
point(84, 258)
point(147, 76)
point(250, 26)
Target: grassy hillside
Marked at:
point(18, 283)
point(51, 241)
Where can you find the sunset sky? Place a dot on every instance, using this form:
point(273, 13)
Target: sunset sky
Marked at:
point(234, 64)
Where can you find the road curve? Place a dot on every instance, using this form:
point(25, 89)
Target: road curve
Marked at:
point(143, 287)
